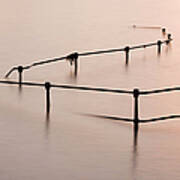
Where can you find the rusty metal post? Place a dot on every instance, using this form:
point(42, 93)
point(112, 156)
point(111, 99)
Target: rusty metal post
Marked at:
point(136, 115)
point(126, 49)
point(47, 88)
point(159, 43)
point(76, 64)
point(20, 71)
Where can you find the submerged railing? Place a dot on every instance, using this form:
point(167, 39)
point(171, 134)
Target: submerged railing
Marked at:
point(136, 93)
point(73, 58)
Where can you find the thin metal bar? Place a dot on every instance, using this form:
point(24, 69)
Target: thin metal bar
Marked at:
point(93, 89)
point(71, 87)
point(47, 88)
point(136, 115)
point(156, 91)
point(159, 118)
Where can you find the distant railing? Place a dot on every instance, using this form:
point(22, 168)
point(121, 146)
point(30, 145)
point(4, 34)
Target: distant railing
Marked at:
point(73, 58)
point(135, 93)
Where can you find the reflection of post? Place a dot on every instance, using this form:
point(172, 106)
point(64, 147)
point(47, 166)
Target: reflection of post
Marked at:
point(136, 116)
point(126, 49)
point(75, 58)
point(20, 70)
point(159, 46)
point(47, 87)
point(75, 66)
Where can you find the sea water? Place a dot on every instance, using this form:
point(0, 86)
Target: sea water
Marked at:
point(72, 144)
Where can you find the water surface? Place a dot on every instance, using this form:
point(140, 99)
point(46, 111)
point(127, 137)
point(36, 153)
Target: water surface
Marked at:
point(72, 145)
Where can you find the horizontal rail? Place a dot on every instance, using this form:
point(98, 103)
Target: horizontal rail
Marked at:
point(23, 83)
point(93, 89)
point(148, 27)
point(159, 118)
point(88, 88)
point(44, 62)
point(85, 88)
point(156, 91)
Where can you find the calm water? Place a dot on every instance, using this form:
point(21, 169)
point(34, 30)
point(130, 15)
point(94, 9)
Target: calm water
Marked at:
point(73, 145)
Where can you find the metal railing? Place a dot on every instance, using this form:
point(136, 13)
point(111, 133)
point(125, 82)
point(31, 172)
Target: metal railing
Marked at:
point(135, 94)
point(73, 58)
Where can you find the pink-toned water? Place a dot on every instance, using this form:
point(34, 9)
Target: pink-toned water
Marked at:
point(73, 145)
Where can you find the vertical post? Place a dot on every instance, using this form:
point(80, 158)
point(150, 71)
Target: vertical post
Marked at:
point(163, 30)
point(136, 115)
point(73, 58)
point(20, 70)
point(159, 46)
point(126, 49)
point(75, 66)
point(169, 39)
point(76, 55)
point(47, 88)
